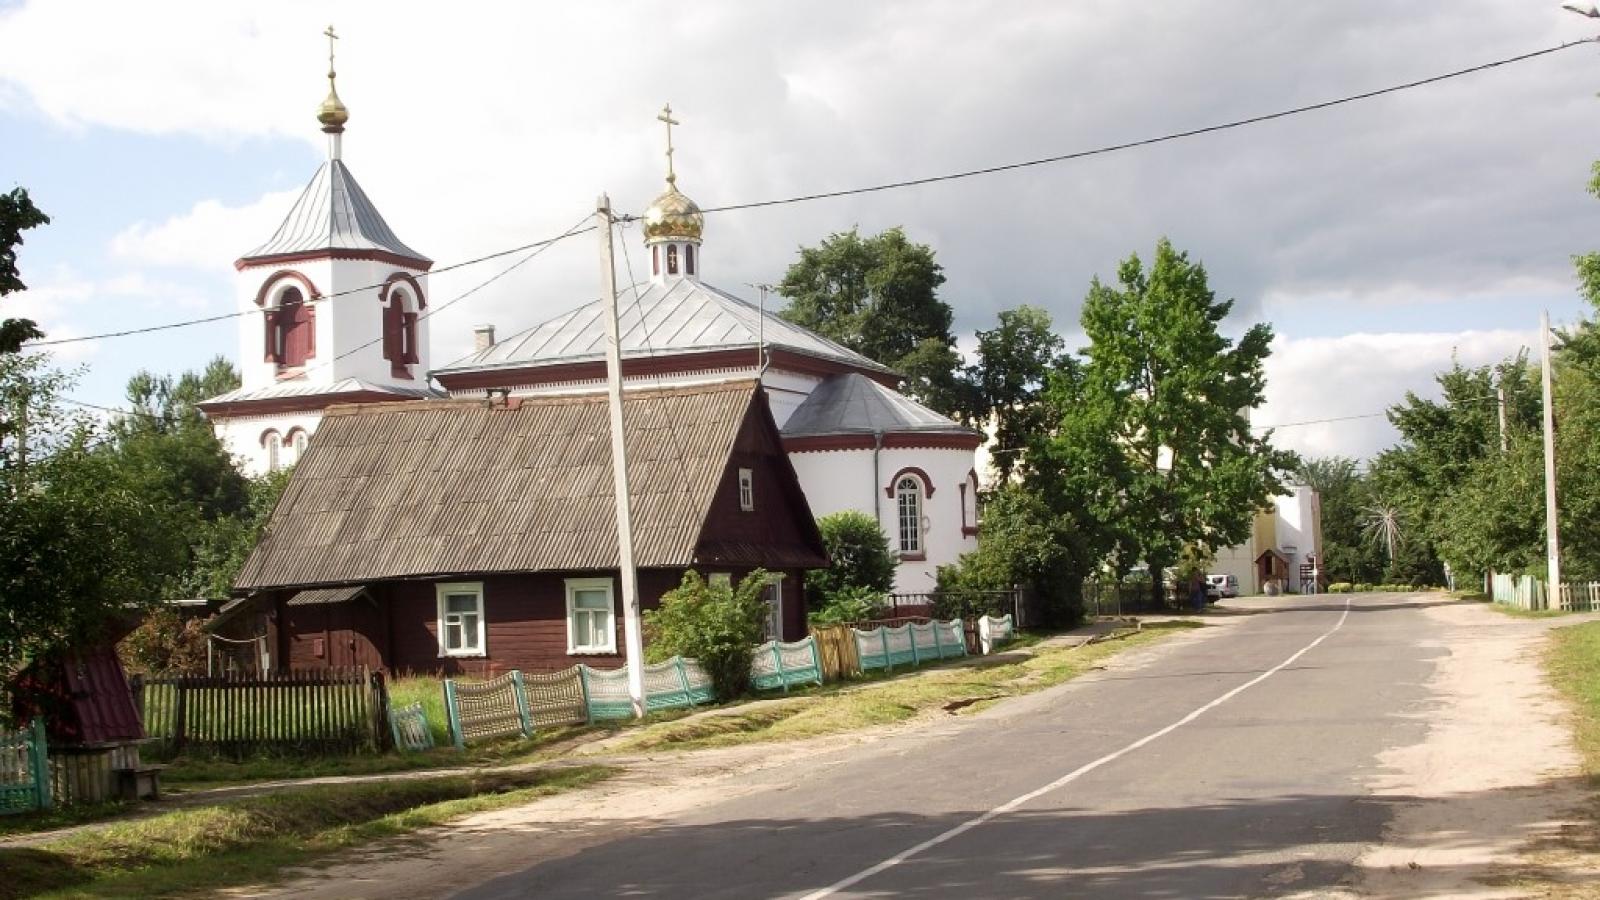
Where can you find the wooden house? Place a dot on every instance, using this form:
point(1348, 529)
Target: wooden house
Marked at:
point(477, 536)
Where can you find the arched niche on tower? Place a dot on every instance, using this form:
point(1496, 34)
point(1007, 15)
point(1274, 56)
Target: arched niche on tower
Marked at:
point(289, 321)
point(402, 300)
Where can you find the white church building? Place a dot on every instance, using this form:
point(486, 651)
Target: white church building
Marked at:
point(336, 312)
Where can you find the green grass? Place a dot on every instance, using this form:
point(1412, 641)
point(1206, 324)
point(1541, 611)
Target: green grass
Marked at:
point(254, 839)
point(62, 817)
point(958, 687)
point(1573, 661)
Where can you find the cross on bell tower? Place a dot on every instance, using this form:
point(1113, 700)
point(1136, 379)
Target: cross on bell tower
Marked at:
point(666, 117)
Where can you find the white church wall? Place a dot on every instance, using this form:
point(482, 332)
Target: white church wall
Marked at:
point(786, 391)
point(357, 320)
point(242, 437)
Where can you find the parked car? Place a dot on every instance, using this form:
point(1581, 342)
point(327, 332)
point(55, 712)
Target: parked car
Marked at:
point(1180, 592)
point(1226, 585)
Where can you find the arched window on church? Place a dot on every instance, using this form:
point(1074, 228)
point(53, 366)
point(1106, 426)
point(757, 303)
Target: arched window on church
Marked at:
point(688, 258)
point(298, 441)
point(672, 259)
point(274, 444)
point(400, 333)
point(291, 330)
point(908, 504)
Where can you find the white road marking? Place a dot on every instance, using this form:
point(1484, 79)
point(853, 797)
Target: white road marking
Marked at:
point(1072, 776)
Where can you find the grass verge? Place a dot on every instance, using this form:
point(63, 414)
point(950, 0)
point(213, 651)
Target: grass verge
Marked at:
point(1573, 661)
point(254, 839)
point(955, 688)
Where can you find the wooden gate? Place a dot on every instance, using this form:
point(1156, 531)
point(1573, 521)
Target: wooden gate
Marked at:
point(24, 770)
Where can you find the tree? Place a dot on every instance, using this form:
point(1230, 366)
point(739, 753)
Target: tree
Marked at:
point(859, 559)
point(717, 625)
point(1173, 394)
point(1014, 361)
point(17, 214)
point(879, 297)
point(1343, 494)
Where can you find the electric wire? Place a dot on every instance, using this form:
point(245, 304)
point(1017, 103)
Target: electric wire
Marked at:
point(934, 179)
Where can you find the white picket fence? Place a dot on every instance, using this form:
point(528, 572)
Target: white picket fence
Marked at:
point(1527, 592)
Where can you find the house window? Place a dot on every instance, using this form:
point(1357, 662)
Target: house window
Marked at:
point(461, 625)
point(672, 259)
point(591, 616)
point(274, 444)
point(908, 501)
point(747, 490)
point(969, 505)
point(688, 258)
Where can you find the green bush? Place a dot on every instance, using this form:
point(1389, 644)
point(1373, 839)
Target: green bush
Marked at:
point(854, 604)
point(1361, 587)
point(1340, 587)
point(715, 624)
point(859, 559)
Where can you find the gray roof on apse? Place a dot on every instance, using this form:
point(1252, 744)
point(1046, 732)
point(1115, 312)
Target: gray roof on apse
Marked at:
point(333, 213)
point(855, 404)
point(679, 316)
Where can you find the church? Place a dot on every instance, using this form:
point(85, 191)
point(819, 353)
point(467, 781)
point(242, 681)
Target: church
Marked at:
point(336, 312)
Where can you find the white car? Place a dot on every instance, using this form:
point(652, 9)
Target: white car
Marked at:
point(1226, 585)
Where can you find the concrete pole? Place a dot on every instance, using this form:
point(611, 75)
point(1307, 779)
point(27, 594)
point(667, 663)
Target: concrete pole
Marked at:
point(632, 626)
point(1551, 518)
point(1500, 395)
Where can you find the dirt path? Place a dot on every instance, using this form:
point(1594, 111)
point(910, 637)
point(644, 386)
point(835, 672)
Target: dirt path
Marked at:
point(1494, 793)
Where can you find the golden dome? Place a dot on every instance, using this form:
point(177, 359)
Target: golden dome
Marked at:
point(673, 216)
point(332, 113)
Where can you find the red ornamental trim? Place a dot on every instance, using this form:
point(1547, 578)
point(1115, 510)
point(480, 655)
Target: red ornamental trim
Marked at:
point(405, 278)
point(301, 403)
point(267, 434)
point(311, 291)
point(656, 365)
point(927, 483)
point(382, 256)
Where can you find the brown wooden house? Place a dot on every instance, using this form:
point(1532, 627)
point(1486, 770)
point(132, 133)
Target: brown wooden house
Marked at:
point(477, 536)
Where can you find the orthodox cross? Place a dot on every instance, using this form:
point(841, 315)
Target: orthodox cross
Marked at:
point(331, 38)
point(666, 117)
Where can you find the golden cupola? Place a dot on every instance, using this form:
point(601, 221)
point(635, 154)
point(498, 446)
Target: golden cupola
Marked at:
point(673, 217)
point(332, 113)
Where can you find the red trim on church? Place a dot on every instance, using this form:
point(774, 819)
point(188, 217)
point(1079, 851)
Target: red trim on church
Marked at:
point(297, 403)
point(311, 291)
point(383, 256)
point(667, 364)
point(403, 278)
point(927, 483)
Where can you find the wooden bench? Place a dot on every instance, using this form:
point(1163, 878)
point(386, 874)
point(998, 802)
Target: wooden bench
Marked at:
point(140, 782)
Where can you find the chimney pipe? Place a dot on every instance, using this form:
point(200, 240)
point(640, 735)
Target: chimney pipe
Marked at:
point(482, 338)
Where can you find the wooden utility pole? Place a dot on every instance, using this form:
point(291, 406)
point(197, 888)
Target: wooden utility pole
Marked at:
point(632, 626)
point(1500, 395)
point(1551, 524)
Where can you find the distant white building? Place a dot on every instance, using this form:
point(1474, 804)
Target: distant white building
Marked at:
point(335, 311)
point(1284, 539)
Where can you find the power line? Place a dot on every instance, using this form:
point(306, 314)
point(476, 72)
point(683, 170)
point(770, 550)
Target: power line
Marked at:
point(355, 290)
point(1372, 415)
point(932, 179)
point(1160, 139)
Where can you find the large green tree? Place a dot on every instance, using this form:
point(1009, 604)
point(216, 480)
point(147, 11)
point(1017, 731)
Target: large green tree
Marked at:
point(17, 214)
point(1173, 395)
point(879, 296)
point(1014, 360)
point(1347, 554)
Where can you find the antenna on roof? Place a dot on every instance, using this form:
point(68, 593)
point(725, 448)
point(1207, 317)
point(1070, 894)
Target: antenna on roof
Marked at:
point(761, 329)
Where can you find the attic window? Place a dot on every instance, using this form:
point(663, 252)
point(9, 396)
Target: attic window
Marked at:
point(747, 490)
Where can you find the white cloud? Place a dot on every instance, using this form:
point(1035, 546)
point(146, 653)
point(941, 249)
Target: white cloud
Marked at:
point(1315, 379)
point(210, 236)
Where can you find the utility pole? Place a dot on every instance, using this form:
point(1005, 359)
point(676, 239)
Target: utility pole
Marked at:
point(1551, 523)
point(632, 627)
point(1500, 395)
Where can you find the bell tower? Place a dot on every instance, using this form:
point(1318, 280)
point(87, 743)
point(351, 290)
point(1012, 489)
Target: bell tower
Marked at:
point(332, 311)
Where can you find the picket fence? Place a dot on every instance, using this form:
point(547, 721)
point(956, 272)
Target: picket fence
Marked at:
point(241, 713)
point(1527, 592)
point(516, 704)
point(913, 643)
point(24, 770)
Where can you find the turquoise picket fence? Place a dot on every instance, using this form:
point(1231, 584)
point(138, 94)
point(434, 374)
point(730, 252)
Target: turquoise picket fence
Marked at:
point(673, 684)
point(912, 644)
point(24, 770)
point(783, 665)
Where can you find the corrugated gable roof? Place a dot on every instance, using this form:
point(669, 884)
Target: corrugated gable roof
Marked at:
point(680, 316)
point(444, 487)
point(334, 213)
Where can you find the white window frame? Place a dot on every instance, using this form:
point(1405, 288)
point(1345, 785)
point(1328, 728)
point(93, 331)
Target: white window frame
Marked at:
point(588, 584)
point(445, 589)
point(747, 490)
point(909, 486)
point(274, 444)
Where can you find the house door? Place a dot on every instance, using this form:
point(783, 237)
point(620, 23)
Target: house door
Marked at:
point(773, 594)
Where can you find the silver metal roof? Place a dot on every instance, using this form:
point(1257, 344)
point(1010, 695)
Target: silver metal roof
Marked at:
point(317, 389)
point(333, 213)
point(855, 404)
point(680, 316)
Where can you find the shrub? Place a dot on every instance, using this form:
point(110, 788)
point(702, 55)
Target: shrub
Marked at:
point(165, 642)
point(856, 604)
point(716, 624)
point(1340, 587)
point(859, 558)
point(1361, 587)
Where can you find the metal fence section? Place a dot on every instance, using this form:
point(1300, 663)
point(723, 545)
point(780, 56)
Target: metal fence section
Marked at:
point(962, 603)
point(488, 709)
point(410, 727)
point(556, 698)
point(313, 711)
point(24, 770)
point(783, 665)
point(993, 632)
point(913, 643)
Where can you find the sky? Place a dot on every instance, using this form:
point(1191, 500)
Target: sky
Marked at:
point(1380, 239)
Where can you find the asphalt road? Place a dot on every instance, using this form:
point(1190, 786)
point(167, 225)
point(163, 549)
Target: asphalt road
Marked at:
point(1226, 765)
